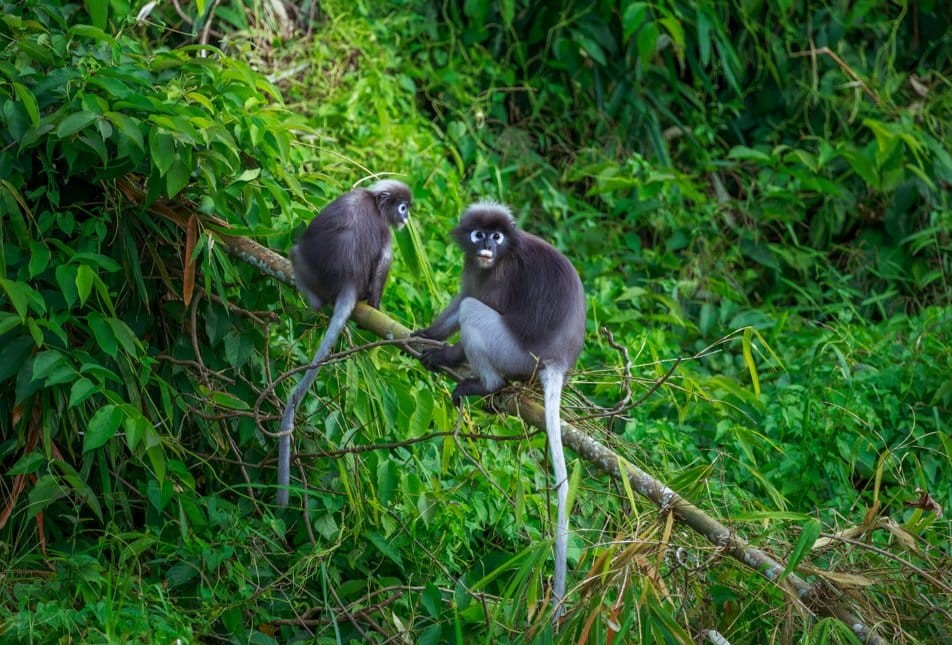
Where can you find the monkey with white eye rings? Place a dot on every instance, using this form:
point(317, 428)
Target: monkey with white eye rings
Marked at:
point(343, 256)
point(520, 311)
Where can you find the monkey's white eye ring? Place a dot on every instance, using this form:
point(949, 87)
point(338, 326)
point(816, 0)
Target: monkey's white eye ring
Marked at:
point(403, 208)
point(497, 237)
point(476, 236)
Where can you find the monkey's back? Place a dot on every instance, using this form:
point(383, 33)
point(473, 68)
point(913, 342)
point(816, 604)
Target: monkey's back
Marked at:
point(342, 245)
point(541, 299)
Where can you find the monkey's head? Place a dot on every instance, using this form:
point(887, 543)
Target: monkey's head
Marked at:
point(393, 201)
point(486, 232)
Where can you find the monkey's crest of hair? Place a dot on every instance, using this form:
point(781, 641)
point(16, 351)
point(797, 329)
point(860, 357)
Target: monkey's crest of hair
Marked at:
point(387, 186)
point(493, 207)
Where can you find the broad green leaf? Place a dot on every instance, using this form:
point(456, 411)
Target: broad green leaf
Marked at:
point(102, 427)
point(46, 362)
point(647, 44)
point(103, 334)
point(13, 354)
point(81, 390)
point(676, 31)
point(66, 275)
point(226, 400)
point(29, 103)
point(28, 463)
point(84, 282)
point(177, 177)
point(8, 321)
point(122, 333)
point(385, 547)
point(508, 10)
point(44, 492)
point(432, 600)
point(74, 123)
point(39, 258)
point(633, 18)
point(82, 489)
point(19, 295)
point(162, 149)
point(99, 20)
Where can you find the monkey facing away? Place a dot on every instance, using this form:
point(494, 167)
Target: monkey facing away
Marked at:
point(343, 256)
point(521, 310)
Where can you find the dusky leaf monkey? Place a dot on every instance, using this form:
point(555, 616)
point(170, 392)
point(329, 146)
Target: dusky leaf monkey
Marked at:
point(343, 256)
point(520, 311)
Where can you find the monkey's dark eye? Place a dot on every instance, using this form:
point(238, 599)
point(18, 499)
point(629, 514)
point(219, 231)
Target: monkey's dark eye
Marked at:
point(497, 237)
point(476, 236)
point(403, 208)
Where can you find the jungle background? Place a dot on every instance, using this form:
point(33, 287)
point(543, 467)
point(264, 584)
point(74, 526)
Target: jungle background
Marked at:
point(756, 196)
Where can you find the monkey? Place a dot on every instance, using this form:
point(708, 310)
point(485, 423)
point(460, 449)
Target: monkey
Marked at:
point(343, 256)
point(521, 310)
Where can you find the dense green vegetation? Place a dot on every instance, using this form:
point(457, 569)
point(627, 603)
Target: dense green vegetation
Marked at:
point(758, 189)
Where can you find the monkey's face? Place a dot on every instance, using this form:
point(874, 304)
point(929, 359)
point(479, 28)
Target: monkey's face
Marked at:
point(393, 202)
point(399, 214)
point(486, 245)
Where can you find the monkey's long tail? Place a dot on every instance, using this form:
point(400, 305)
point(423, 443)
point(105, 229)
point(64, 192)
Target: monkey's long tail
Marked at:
point(553, 378)
point(342, 310)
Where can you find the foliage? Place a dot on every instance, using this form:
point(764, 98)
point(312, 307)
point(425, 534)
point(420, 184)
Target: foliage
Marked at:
point(779, 221)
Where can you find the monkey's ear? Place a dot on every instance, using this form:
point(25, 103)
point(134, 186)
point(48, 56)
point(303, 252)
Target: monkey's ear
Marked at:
point(382, 198)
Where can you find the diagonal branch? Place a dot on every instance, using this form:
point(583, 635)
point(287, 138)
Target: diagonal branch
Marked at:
point(602, 457)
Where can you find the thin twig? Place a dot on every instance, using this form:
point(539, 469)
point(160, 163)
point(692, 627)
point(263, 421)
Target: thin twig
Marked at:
point(812, 53)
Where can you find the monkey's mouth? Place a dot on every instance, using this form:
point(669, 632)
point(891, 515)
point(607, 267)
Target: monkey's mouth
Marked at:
point(485, 258)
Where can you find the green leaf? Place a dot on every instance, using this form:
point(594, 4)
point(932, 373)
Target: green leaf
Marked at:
point(229, 401)
point(45, 491)
point(508, 10)
point(83, 490)
point(162, 149)
point(81, 390)
point(102, 427)
point(28, 463)
point(19, 294)
point(13, 354)
point(74, 123)
point(99, 20)
point(66, 275)
point(103, 333)
point(633, 18)
point(809, 534)
point(177, 178)
point(39, 258)
point(431, 599)
point(385, 547)
point(29, 103)
point(647, 44)
point(122, 333)
point(46, 362)
point(84, 282)
point(8, 321)
point(136, 427)
point(676, 31)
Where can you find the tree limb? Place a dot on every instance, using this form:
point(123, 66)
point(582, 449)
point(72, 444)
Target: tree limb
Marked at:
point(522, 405)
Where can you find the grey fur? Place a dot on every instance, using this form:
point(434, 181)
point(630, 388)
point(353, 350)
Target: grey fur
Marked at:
point(521, 310)
point(343, 256)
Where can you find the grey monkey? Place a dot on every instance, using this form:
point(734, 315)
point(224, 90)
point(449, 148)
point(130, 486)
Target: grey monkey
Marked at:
point(343, 256)
point(520, 311)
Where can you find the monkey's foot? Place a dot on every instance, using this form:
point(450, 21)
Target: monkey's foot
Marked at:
point(469, 387)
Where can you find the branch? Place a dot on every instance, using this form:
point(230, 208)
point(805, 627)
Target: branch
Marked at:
point(524, 406)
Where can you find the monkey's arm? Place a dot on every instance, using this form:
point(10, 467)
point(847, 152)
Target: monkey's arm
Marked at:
point(446, 324)
point(381, 271)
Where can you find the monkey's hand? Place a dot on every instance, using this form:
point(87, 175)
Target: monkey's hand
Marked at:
point(425, 333)
point(449, 356)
